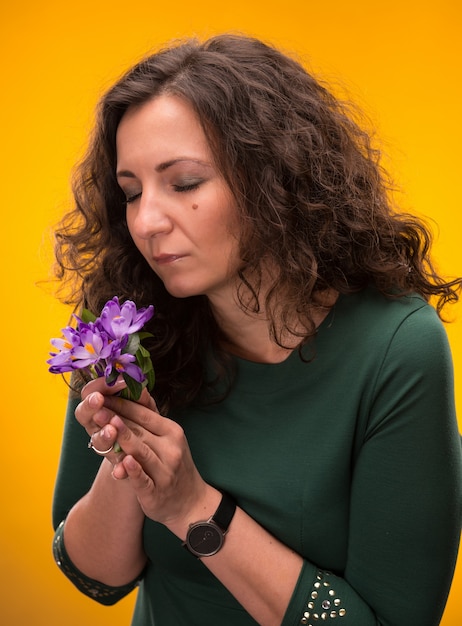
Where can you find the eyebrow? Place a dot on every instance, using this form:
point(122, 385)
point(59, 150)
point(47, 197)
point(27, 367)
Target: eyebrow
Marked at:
point(163, 166)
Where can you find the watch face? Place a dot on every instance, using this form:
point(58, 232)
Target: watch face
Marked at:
point(204, 539)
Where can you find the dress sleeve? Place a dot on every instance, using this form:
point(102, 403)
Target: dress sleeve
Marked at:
point(77, 470)
point(405, 501)
point(104, 594)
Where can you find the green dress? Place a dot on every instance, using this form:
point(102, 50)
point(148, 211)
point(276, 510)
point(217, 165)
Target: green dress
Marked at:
point(351, 457)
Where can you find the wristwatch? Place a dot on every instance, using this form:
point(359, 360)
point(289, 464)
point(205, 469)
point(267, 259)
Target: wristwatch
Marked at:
point(207, 537)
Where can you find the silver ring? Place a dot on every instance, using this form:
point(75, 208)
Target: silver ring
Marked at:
point(100, 452)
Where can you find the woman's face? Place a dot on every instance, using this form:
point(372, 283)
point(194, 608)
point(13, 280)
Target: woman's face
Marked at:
point(180, 212)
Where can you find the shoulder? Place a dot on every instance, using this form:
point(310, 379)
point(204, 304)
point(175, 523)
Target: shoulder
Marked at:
point(401, 362)
point(370, 302)
point(374, 331)
point(404, 343)
point(371, 314)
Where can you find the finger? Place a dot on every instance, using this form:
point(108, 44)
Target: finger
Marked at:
point(148, 401)
point(91, 412)
point(100, 385)
point(161, 457)
point(133, 440)
point(119, 472)
point(146, 417)
point(104, 443)
point(142, 484)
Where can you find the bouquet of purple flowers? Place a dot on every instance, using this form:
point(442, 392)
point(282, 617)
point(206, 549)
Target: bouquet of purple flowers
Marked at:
point(108, 345)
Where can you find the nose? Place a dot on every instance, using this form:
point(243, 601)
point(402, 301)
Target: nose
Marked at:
point(149, 217)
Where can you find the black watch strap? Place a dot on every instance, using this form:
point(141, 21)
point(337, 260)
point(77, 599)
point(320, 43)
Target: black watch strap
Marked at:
point(225, 512)
point(205, 538)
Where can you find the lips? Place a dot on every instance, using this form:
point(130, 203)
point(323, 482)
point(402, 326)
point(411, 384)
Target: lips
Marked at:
point(165, 259)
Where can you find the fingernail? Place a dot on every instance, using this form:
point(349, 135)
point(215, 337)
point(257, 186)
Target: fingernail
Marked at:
point(131, 463)
point(93, 400)
point(104, 433)
point(117, 422)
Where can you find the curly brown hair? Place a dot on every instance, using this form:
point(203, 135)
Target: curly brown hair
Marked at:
point(313, 200)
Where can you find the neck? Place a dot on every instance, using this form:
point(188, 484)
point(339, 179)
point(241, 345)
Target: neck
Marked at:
point(249, 338)
point(248, 334)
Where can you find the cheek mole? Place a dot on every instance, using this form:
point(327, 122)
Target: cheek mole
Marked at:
point(195, 206)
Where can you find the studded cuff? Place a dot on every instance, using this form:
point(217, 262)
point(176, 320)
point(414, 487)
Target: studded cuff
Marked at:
point(323, 602)
point(104, 594)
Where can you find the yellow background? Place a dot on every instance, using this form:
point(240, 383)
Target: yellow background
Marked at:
point(400, 60)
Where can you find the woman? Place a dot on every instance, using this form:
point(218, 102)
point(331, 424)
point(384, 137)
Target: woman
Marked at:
point(302, 441)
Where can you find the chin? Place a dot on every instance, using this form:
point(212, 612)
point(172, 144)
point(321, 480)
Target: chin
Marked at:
point(182, 291)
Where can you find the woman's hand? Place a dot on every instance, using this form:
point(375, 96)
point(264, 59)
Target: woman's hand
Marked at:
point(95, 417)
point(157, 460)
point(155, 455)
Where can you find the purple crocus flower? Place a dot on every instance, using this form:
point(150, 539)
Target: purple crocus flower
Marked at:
point(124, 364)
point(107, 346)
point(122, 320)
point(70, 340)
point(95, 346)
point(63, 361)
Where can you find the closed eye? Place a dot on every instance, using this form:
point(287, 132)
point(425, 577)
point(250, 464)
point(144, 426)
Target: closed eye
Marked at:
point(186, 187)
point(132, 198)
